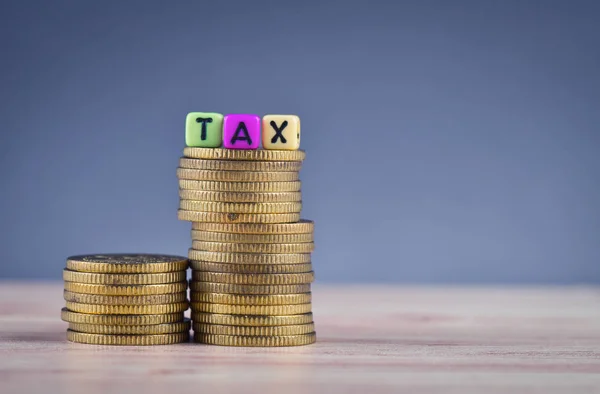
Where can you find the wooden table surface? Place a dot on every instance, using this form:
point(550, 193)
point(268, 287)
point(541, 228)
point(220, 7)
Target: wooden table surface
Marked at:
point(371, 339)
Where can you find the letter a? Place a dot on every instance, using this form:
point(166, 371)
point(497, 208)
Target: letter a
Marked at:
point(236, 136)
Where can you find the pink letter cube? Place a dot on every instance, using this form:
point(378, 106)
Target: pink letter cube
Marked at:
point(241, 131)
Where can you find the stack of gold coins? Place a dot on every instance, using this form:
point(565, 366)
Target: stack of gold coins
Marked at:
point(251, 253)
point(126, 299)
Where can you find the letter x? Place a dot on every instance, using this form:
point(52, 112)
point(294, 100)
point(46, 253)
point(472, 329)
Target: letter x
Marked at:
point(278, 132)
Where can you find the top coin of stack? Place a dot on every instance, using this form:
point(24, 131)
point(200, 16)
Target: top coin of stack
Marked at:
point(251, 266)
point(126, 299)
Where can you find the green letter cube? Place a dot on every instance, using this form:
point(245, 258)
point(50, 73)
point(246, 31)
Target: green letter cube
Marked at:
point(204, 129)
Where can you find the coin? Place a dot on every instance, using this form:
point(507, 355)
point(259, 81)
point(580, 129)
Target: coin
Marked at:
point(244, 187)
point(125, 290)
point(236, 176)
point(221, 217)
point(301, 227)
point(239, 154)
point(128, 340)
point(251, 321)
point(122, 320)
point(238, 165)
point(126, 263)
point(251, 268)
point(124, 279)
point(249, 258)
point(248, 289)
point(240, 207)
point(240, 299)
point(199, 235)
point(127, 309)
point(218, 329)
point(131, 330)
point(268, 341)
point(262, 310)
point(101, 299)
point(233, 247)
point(191, 194)
point(253, 279)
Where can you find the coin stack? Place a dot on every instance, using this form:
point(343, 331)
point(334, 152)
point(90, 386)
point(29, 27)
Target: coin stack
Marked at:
point(250, 255)
point(126, 299)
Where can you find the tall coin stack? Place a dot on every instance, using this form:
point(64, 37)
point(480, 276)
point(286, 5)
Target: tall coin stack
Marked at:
point(250, 255)
point(126, 299)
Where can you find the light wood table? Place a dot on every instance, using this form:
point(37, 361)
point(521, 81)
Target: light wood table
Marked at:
point(372, 339)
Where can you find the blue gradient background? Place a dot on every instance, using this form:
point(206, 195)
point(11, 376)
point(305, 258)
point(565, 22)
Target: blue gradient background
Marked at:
point(447, 141)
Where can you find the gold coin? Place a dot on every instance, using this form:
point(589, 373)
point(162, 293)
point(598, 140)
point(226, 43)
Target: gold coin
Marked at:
point(198, 235)
point(253, 279)
point(201, 195)
point(221, 217)
point(251, 321)
point(127, 263)
point(127, 309)
point(127, 340)
point(131, 330)
point(124, 279)
point(120, 320)
point(248, 341)
point(233, 247)
point(101, 299)
point(249, 258)
point(251, 268)
point(219, 329)
point(238, 165)
point(210, 287)
point(251, 309)
point(240, 207)
point(240, 154)
point(254, 299)
point(301, 227)
point(236, 176)
point(243, 187)
point(123, 290)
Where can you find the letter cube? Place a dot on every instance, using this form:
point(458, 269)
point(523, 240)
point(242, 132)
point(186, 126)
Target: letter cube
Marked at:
point(241, 131)
point(281, 132)
point(204, 129)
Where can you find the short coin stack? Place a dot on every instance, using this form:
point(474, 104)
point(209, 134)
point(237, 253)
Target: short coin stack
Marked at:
point(126, 299)
point(250, 256)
